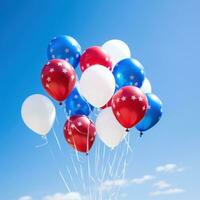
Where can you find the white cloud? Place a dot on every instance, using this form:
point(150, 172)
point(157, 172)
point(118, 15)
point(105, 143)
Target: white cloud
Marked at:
point(167, 192)
point(143, 179)
point(62, 196)
point(58, 196)
point(25, 198)
point(169, 168)
point(109, 184)
point(162, 185)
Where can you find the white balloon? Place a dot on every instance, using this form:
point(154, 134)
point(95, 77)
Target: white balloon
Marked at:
point(97, 85)
point(109, 129)
point(38, 113)
point(146, 86)
point(117, 49)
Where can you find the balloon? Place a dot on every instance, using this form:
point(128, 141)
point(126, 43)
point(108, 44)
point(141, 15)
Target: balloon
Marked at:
point(80, 132)
point(97, 85)
point(128, 72)
point(129, 105)
point(153, 113)
point(75, 104)
point(95, 55)
point(58, 79)
point(146, 86)
point(109, 129)
point(38, 113)
point(117, 49)
point(66, 48)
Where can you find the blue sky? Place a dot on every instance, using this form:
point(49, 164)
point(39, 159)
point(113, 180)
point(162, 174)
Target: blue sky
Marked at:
point(163, 35)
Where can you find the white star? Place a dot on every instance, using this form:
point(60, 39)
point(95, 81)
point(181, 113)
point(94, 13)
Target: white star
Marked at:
point(70, 133)
point(140, 99)
point(72, 126)
point(113, 105)
point(87, 64)
point(53, 56)
point(118, 100)
point(51, 70)
point(47, 85)
point(64, 70)
point(136, 83)
point(118, 114)
point(72, 77)
point(82, 67)
point(123, 98)
point(131, 77)
point(78, 105)
point(67, 50)
point(59, 64)
point(48, 79)
point(75, 96)
point(79, 123)
point(107, 59)
point(144, 108)
point(133, 97)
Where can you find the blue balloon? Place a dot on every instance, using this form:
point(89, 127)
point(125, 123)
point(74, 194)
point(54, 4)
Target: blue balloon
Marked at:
point(66, 48)
point(75, 104)
point(128, 72)
point(153, 113)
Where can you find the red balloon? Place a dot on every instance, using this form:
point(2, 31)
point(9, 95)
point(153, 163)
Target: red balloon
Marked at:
point(58, 79)
point(95, 55)
point(80, 133)
point(129, 105)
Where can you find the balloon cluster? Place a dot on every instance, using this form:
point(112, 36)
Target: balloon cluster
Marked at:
point(111, 82)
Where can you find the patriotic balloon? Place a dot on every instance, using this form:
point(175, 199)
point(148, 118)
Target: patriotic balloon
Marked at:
point(97, 85)
point(38, 113)
point(80, 133)
point(66, 48)
point(128, 72)
point(58, 79)
point(95, 55)
point(129, 105)
point(153, 113)
point(75, 104)
point(117, 49)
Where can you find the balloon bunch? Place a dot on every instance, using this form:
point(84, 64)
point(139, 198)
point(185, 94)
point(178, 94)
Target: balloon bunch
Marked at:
point(111, 82)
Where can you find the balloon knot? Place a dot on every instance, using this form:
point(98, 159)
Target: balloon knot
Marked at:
point(86, 154)
point(141, 134)
point(60, 103)
point(127, 130)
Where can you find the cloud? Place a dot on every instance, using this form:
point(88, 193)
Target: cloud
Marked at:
point(25, 198)
point(167, 192)
point(58, 196)
point(169, 168)
point(62, 196)
point(109, 184)
point(162, 185)
point(143, 179)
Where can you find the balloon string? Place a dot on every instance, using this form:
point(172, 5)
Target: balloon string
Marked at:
point(57, 141)
point(44, 144)
point(60, 173)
